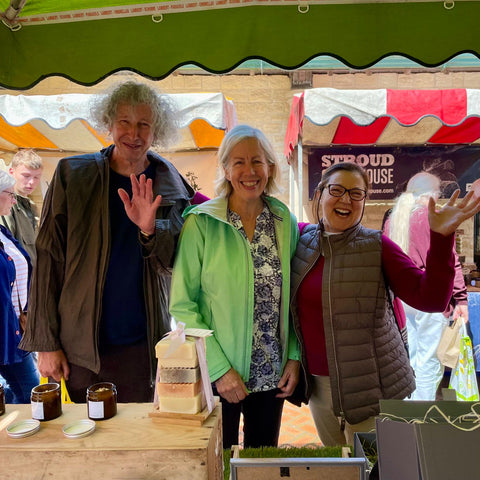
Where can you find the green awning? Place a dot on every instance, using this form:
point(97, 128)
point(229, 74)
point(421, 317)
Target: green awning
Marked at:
point(86, 44)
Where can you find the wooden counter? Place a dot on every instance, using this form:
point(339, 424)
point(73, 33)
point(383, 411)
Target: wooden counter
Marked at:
point(129, 446)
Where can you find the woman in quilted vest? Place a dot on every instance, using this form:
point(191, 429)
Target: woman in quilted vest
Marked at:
point(344, 278)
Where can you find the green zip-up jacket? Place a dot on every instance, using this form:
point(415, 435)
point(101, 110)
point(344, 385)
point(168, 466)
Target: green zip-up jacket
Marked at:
point(212, 284)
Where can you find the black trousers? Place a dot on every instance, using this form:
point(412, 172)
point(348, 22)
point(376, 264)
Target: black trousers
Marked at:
point(262, 415)
point(127, 366)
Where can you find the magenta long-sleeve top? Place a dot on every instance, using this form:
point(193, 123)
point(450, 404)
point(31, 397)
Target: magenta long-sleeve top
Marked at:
point(428, 290)
point(419, 241)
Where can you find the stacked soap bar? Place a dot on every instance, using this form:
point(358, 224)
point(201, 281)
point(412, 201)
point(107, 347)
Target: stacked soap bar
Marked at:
point(180, 386)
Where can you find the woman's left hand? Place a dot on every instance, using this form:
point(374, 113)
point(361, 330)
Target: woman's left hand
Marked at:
point(141, 209)
point(289, 379)
point(447, 219)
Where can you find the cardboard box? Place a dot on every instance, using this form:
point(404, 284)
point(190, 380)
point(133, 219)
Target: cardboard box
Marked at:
point(397, 450)
point(431, 448)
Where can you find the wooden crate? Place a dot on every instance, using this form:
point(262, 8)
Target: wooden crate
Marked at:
point(125, 447)
point(314, 468)
point(297, 468)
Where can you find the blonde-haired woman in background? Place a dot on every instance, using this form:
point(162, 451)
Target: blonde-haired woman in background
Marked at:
point(408, 227)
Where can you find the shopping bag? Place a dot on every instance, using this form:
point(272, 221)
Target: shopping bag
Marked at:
point(448, 349)
point(463, 377)
point(64, 392)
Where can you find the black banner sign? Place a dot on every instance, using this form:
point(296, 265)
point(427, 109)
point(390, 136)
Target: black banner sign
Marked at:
point(390, 168)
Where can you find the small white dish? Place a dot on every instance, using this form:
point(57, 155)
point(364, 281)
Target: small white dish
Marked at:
point(79, 428)
point(23, 428)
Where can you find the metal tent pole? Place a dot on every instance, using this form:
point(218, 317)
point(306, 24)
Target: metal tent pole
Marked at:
point(299, 213)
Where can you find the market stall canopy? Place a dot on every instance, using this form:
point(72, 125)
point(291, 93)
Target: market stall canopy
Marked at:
point(87, 40)
point(63, 122)
point(327, 116)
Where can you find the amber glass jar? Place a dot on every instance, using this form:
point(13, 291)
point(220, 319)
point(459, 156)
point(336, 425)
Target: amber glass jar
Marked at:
point(2, 400)
point(46, 401)
point(102, 401)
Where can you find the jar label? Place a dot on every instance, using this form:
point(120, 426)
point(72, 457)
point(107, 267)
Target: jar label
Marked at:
point(95, 409)
point(37, 410)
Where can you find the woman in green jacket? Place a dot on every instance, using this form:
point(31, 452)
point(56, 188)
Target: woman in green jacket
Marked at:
point(232, 275)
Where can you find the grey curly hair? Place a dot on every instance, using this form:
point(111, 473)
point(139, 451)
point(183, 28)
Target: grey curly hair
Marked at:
point(6, 180)
point(165, 126)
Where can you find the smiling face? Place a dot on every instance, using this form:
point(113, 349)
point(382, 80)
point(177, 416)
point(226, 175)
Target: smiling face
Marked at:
point(132, 132)
point(341, 213)
point(248, 171)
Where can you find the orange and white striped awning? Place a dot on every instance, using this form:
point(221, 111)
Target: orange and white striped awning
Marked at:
point(64, 122)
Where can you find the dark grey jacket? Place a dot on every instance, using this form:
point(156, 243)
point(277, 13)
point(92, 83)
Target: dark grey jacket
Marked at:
point(73, 247)
point(367, 359)
point(22, 223)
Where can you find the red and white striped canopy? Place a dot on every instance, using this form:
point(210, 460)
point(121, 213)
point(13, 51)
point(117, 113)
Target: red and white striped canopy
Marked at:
point(327, 116)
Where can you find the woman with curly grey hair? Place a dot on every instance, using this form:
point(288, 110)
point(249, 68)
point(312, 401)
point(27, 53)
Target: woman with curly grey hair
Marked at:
point(232, 275)
point(16, 366)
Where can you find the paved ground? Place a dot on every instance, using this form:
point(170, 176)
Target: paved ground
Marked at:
point(297, 427)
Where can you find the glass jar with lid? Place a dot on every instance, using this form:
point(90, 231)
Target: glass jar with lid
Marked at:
point(102, 401)
point(46, 401)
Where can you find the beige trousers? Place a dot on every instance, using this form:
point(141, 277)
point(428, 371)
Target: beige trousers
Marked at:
point(327, 424)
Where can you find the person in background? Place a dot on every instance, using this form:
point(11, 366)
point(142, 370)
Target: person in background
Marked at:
point(232, 275)
point(22, 221)
point(17, 367)
point(408, 227)
point(344, 277)
point(108, 233)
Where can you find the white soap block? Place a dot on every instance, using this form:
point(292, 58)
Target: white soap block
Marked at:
point(185, 356)
point(181, 404)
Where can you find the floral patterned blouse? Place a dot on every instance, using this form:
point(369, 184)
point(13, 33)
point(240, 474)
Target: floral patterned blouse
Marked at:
point(266, 363)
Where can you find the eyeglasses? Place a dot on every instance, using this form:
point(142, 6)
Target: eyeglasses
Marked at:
point(12, 194)
point(355, 194)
